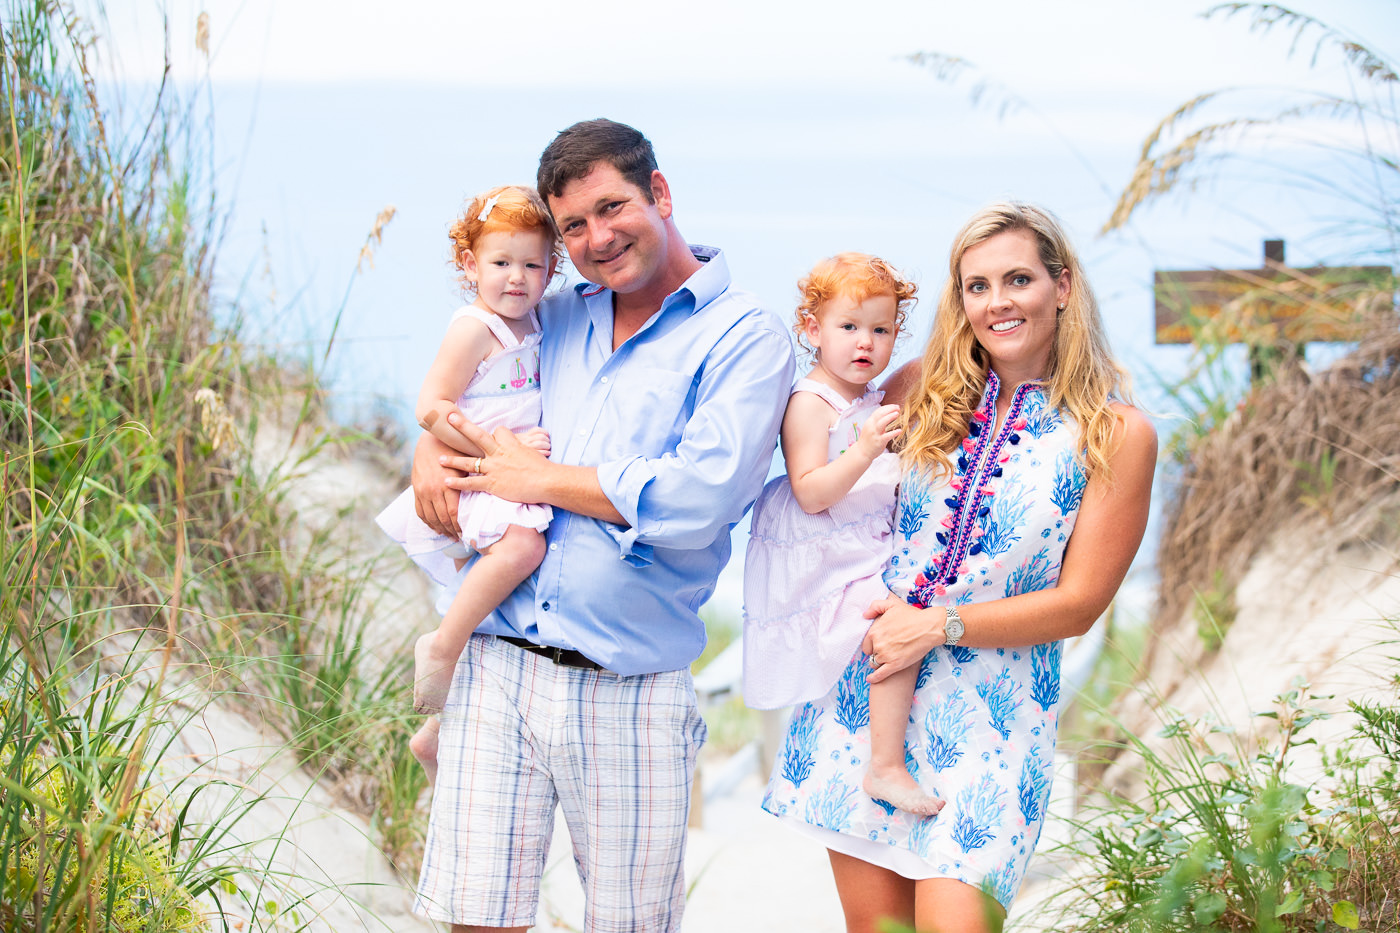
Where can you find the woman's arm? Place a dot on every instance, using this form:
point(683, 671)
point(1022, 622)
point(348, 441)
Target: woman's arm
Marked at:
point(899, 383)
point(1106, 536)
point(466, 343)
point(817, 484)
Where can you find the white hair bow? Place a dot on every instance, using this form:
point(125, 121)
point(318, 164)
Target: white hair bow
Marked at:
point(486, 211)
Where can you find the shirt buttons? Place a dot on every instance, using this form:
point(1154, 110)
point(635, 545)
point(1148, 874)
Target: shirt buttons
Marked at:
point(603, 380)
point(554, 547)
point(545, 605)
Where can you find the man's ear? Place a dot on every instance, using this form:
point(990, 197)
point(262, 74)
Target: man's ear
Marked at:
point(661, 194)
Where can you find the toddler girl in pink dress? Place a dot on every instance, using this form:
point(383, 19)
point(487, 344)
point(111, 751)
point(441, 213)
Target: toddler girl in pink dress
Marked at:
point(488, 366)
point(822, 534)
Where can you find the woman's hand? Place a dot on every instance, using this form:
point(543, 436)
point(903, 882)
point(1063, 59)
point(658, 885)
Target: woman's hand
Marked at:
point(900, 635)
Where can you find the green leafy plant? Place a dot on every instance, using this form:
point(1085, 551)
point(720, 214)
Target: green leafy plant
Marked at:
point(1225, 839)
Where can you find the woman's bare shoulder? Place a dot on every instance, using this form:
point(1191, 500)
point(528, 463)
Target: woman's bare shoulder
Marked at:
point(901, 382)
point(1135, 428)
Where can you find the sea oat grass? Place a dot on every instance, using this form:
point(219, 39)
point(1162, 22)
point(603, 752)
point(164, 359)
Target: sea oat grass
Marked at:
point(1314, 454)
point(1189, 146)
point(1225, 835)
point(152, 561)
point(1302, 454)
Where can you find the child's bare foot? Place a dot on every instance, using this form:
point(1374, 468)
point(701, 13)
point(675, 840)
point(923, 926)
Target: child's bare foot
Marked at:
point(901, 791)
point(424, 746)
point(432, 676)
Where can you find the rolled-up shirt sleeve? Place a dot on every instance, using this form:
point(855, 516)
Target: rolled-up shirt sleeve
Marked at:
point(688, 497)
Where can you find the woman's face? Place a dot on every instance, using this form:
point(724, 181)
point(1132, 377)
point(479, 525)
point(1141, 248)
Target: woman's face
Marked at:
point(1012, 303)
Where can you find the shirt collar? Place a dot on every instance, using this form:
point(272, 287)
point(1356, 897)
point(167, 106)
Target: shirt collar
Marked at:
point(711, 279)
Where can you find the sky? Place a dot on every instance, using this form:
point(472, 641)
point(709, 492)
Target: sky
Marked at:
point(1065, 48)
point(787, 132)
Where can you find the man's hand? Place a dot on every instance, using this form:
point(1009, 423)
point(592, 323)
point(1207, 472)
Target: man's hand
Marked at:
point(511, 469)
point(434, 500)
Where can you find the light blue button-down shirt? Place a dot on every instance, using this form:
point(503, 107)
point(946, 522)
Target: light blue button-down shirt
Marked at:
point(680, 421)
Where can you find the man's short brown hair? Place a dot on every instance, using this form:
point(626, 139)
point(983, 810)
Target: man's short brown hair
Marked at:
point(577, 149)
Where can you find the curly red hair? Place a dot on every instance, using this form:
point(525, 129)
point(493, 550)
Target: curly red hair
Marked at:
point(514, 209)
point(856, 276)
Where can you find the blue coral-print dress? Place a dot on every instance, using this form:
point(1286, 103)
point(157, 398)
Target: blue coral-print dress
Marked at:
point(983, 724)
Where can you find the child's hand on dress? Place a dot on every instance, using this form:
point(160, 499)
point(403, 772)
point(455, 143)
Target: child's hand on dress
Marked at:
point(536, 439)
point(878, 431)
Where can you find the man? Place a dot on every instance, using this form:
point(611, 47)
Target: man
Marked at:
point(663, 392)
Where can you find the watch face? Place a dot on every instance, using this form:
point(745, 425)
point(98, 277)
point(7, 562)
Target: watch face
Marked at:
point(952, 631)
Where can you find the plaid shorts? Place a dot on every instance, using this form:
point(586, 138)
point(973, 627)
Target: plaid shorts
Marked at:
point(521, 733)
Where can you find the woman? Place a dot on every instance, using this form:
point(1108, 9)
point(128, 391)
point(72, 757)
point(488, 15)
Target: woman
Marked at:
point(1024, 498)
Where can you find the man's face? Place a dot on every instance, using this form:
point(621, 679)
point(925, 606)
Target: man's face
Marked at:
point(615, 235)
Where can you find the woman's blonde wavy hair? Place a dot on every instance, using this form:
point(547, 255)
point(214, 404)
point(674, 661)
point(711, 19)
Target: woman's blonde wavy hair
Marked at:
point(1083, 375)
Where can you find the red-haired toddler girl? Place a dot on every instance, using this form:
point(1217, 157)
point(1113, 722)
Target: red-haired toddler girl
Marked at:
point(488, 366)
point(821, 534)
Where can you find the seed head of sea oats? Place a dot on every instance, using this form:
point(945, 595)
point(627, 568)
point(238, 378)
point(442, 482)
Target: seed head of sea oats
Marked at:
point(381, 221)
point(214, 418)
point(376, 236)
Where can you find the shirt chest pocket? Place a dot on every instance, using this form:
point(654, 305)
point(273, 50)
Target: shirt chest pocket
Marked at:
point(646, 412)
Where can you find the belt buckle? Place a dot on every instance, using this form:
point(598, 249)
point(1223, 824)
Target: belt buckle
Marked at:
point(555, 654)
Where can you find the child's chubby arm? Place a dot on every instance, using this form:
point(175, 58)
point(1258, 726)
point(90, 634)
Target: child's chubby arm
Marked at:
point(466, 343)
point(817, 484)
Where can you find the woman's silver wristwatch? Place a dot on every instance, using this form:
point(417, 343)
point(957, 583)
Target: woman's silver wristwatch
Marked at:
point(952, 627)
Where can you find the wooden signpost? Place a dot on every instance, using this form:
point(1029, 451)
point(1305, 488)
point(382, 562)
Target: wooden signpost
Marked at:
point(1275, 310)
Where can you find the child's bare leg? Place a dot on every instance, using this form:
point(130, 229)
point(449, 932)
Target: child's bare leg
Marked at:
point(888, 779)
point(498, 570)
point(424, 745)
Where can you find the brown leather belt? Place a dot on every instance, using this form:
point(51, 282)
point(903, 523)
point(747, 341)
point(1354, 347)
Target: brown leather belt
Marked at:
point(567, 657)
